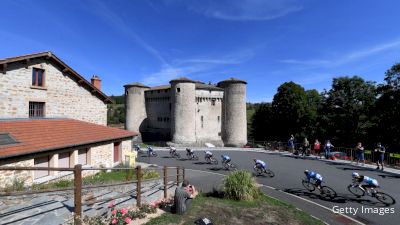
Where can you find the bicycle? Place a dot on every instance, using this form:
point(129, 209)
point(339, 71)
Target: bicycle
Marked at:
point(228, 165)
point(175, 154)
point(359, 192)
point(192, 156)
point(325, 191)
point(150, 152)
point(260, 171)
point(138, 149)
point(211, 160)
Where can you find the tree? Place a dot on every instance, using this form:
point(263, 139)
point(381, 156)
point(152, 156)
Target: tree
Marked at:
point(392, 76)
point(289, 108)
point(347, 109)
point(261, 125)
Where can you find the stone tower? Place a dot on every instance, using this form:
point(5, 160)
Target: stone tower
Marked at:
point(135, 107)
point(234, 122)
point(183, 111)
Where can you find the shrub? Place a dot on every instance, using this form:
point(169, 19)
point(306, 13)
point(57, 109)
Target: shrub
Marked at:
point(240, 185)
point(16, 185)
point(150, 174)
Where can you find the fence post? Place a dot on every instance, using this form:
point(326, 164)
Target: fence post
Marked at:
point(138, 185)
point(78, 194)
point(165, 182)
point(177, 176)
point(183, 173)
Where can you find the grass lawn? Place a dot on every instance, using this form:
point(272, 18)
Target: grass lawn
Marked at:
point(265, 210)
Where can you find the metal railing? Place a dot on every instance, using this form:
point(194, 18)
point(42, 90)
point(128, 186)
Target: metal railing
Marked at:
point(78, 187)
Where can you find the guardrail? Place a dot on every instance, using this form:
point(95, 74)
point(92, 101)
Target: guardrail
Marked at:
point(390, 159)
point(78, 187)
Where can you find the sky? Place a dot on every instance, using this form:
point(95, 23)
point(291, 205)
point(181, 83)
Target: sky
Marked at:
point(263, 42)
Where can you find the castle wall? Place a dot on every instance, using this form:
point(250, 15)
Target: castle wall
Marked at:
point(208, 117)
point(135, 108)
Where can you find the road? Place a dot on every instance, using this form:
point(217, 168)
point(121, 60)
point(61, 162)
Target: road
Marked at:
point(286, 185)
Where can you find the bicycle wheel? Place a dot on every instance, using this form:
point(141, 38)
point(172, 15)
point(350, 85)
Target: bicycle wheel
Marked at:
point(154, 154)
point(355, 190)
point(269, 172)
point(177, 155)
point(258, 171)
point(195, 157)
point(309, 186)
point(225, 165)
point(385, 198)
point(328, 192)
point(214, 161)
point(233, 166)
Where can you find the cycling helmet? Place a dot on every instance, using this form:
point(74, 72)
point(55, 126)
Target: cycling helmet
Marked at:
point(354, 174)
point(306, 171)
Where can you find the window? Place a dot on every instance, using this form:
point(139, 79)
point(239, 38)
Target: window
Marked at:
point(117, 151)
point(41, 162)
point(36, 109)
point(178, 89)
point(64, 160)
point(37, 77)
point(7, 139)
point(213, 101)
point(82, 156)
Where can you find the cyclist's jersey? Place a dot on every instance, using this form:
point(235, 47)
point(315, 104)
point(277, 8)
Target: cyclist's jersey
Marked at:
point(172, 149)
point(262, 163)
point(149, 148)
point(313, 175)
point(368, 180)
point(208, 154)
point(225, 158)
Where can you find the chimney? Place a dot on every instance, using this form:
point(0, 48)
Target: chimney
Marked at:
point(96, 82)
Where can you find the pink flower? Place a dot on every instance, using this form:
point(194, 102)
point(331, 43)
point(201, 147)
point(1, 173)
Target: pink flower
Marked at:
point(114, 221)
point(127, 220)
point(114, 212)
point(124, 211)
point(111, 204)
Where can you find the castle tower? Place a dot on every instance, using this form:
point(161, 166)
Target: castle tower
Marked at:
point(135, 107)
point(183, 111)
point(234, 122)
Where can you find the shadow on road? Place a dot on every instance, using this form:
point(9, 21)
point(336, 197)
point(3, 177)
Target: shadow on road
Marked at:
point(340, 198)
point(217, 169)
point(201, 163)
point(354, 168)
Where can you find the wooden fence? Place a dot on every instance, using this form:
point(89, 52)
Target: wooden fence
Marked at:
point(78, 187)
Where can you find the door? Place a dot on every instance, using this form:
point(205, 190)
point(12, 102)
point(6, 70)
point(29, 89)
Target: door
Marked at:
point(117, 146)
point(41, 162)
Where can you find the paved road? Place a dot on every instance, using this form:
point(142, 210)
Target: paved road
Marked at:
point(289, 172)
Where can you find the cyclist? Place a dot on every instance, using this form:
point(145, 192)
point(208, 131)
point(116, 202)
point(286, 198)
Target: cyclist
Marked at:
point(260, 164)
point(225, 158)
point(208, 155)
point(150, 150)
point(172, 150)
point(311, 175)
point(137, 147)
point(365, 182)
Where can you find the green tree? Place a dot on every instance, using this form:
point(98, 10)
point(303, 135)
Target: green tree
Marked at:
point(261, 122)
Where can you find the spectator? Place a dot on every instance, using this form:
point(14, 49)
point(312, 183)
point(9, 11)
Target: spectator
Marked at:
point(379, 155)
point(306, 147)
point(327, 149)
point(291, 143)
point(317, 148)
point(183, 197)
point(360, 153)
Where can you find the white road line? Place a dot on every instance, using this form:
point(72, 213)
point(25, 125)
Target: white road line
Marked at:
point(324, 207)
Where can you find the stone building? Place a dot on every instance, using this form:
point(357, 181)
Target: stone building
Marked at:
point(188, 112)
point(50, 116)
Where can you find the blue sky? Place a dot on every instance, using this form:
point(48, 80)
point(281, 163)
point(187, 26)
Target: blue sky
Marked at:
point(264, 42)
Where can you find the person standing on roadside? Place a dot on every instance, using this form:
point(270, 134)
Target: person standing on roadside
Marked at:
point(291, 143)
point(306, 147)
point(360, 153)
point(379, 155)
point(327, 149)
point(317, 148)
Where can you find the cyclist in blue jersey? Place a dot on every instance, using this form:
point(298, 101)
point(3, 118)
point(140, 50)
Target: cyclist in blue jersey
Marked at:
point(225, 158)
point(260, 164)
point(365, 182)
point(313, 176)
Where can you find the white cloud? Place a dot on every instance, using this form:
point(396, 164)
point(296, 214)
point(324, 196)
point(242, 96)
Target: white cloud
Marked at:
point(242, 10)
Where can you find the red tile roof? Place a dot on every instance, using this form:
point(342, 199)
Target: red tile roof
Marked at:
point(50, 134)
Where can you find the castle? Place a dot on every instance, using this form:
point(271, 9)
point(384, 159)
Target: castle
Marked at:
point(188, 112)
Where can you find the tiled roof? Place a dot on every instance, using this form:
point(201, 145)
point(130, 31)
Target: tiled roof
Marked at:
point(45, 135)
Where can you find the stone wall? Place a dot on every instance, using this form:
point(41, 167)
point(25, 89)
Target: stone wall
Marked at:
point(98, 156)
point(63, 96)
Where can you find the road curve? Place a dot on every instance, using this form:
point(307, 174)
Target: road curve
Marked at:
point(286, 185)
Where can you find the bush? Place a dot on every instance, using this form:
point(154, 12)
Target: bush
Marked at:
point(16, 185)
point(240, 185)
